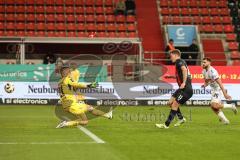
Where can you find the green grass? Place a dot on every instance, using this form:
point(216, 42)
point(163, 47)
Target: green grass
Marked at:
point(135, 138)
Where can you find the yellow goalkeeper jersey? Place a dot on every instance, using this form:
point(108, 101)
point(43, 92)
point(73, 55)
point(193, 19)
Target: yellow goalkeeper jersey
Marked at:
point(67, 90)
point(75, 74)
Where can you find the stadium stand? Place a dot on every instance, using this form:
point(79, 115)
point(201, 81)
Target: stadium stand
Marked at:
point(64, 18)
point(212, 18)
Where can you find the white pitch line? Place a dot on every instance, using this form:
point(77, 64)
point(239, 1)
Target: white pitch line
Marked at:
point(88, 133)
point(91, 135)
point(43, 143)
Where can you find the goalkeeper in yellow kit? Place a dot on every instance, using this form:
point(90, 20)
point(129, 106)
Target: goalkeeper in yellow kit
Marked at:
point(70, 101)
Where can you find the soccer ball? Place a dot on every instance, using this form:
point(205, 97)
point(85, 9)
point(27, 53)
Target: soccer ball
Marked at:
point(9, 87)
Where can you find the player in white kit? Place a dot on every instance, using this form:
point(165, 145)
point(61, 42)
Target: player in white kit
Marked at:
point(212, 79)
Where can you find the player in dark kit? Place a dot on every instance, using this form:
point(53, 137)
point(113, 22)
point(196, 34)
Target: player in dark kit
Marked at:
point(182, 94)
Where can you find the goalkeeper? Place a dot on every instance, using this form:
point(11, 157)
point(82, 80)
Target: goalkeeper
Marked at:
point(70, 102)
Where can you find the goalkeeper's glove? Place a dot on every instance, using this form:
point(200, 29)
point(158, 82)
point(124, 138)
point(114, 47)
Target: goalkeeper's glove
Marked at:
point(93, 85)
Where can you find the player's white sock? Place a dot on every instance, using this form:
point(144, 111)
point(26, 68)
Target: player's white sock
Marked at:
point(227, 105)
point(222, 116)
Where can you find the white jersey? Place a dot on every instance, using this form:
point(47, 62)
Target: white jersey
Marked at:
point(211, 75)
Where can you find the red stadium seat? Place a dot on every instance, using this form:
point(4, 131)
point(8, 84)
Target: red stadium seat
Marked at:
point(99, 10)
point(101, 34)
point(40, 26)
point(80, 27)
point(91, 27)
point(30, 9)
point(30, 26)
point(69, 2)
point(50, 18)
point(176, 20)
point(167, 20)
point(101, 27)
point(71, 18)
point(50, 34)
point(121, 27)
point(10, 33)
point(10, 17)
point(50, 26)
point(2, 17)
point(61, 27)
point(131, 19)
point(110, 18)
point(50, 10)
point(30, 2)
point(40, 9)
point(82, 34)
point(60, 2)
point(20, 2)
point(61, 34)
point(90, 18)
point(99, 2)
point(216, 20)
point(89, 10)
point(10, 9)
point(231, 37)
point(100, 18)
point(20, 9)
point(204, 11)
point(197, 20)
point(222, 3)
point(40, 2)
point(71, 34)
point(175, 11)
point(111, 27)
point(79, 10)
point(194, 11)
point(109, 10)
point(2, 26)
point(20, 26)
point(233, 46)
point(185, 11)
point(165, 11)
point(132, 34)
point(60, 10)
point(120, 19)
point(30, 34)
point(60, 18)
point(212, 4)
point(70, 10)
point(71, 27)
point(39, 18)
point(80, 18)
point(223, 11)
point(30, 18)
point(20, 18)
point(79, 2)
point(40, 34)
point(50, 2)
point(90, 2)
point(163, 4)
point(20, 33)
point(214, 12)
point(202, 3)
point(2, 9)
point(193, 3)
point(112, 34)
point(183, 3)
point(206, 20)
point(218, 28)
point(186, 20)
point(228, 28)
point(226, 20)
point(10, 26)
point(236, 63)
point(235, 55)
point(108, 3)
point(122, 34)
point(131, 27)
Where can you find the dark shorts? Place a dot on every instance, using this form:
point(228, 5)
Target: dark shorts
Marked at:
point(183, 95)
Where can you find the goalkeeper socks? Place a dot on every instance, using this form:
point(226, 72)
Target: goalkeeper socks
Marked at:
point(171, 116)
point(179, 114)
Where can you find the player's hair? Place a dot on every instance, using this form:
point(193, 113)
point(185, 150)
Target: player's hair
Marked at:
point(207, 59)
point(176, 51)
point(65, 66)
point(171, 40)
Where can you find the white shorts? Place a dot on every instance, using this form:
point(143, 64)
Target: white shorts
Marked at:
point(216, 96)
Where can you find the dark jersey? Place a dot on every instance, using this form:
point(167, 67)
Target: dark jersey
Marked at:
point(179, 74)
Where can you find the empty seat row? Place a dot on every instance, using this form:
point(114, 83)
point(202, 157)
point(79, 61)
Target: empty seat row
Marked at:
point(216, 28)
point(58, 9)
point(196, 20)
point(193, 3)
point(194, 11)
point(59, 2)
point(67, 18)
point(69, 26)
point(68, 34)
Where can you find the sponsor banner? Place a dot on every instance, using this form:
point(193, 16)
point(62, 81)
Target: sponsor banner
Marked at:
point(46, 73)
point(135, 91)
point(181, 34)
point(105, 102)
point(227, 74)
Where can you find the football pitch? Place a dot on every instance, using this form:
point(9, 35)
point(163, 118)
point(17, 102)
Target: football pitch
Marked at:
point(29, 133)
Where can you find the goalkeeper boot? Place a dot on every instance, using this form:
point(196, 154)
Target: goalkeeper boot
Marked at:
point(62, 124)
